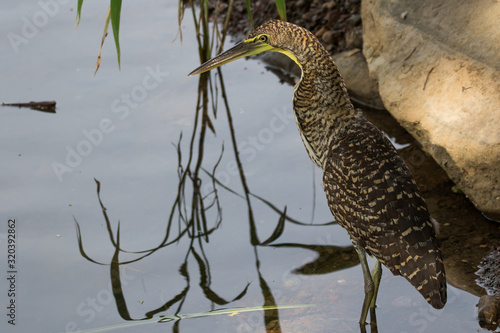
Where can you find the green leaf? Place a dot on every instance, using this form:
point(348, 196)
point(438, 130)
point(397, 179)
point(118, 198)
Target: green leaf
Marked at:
point(116, 7)
point(79, 12)
point(281, 6)
point(176, 318)
point(249, 11)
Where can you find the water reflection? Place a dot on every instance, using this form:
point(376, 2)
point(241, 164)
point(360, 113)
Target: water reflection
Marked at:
point(196, 213)
point(191, 217)
point(193, 225)
point(196, 216)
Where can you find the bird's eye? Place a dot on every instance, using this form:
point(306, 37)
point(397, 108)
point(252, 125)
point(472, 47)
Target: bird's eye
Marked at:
point(263, 38)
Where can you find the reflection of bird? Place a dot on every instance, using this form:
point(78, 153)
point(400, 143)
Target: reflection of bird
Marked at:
point(369, 189)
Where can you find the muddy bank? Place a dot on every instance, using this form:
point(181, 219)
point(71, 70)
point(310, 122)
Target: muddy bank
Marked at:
point(336, 23)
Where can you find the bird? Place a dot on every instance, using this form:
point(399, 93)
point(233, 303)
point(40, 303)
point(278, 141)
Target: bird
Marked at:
point(369, 189)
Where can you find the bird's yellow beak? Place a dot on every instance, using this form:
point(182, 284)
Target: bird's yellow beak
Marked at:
point(243, 49)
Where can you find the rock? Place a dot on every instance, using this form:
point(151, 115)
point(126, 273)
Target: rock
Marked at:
point(489, 273)
point(354, 39)
point(330, 37)
point(320, 32)
point(329, 5)
point(300, 3)
point(362, 89)
point(353, 20)
point(488, 311)
point(438, 73)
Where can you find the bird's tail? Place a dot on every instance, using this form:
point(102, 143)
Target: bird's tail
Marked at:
point(426, 273)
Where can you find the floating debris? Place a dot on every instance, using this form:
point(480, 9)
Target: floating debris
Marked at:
point(45, 106)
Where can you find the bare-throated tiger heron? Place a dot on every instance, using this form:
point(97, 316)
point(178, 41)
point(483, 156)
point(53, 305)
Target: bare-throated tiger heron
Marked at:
point(369, 188)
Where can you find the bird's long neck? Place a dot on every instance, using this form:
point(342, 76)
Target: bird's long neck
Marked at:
point(321, 102)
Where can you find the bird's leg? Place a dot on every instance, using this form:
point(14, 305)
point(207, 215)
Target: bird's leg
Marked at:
point(376, 277)
point(369, 285)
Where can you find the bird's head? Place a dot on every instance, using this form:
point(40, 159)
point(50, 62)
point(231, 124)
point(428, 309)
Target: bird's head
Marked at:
point(268, 37)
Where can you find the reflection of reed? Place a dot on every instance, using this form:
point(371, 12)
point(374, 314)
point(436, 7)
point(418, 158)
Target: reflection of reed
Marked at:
point(191, 211)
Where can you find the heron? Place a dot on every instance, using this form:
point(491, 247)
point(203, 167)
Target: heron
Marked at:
point(369, 189)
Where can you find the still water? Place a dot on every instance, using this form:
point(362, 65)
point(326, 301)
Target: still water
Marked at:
point(137, 132)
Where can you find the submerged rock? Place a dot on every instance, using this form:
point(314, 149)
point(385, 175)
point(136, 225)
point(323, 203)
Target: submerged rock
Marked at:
point(488, 308)
point(488, 311)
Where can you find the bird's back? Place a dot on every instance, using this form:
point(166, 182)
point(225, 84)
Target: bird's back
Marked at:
point(373, 196)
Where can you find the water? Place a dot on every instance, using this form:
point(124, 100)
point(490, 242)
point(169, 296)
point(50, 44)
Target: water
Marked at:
point(122, 128)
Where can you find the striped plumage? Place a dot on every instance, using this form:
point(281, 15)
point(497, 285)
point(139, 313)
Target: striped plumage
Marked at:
point(373, 196)
point(369, 189)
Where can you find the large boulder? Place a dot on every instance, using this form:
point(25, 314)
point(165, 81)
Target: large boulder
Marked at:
point(437, 63)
